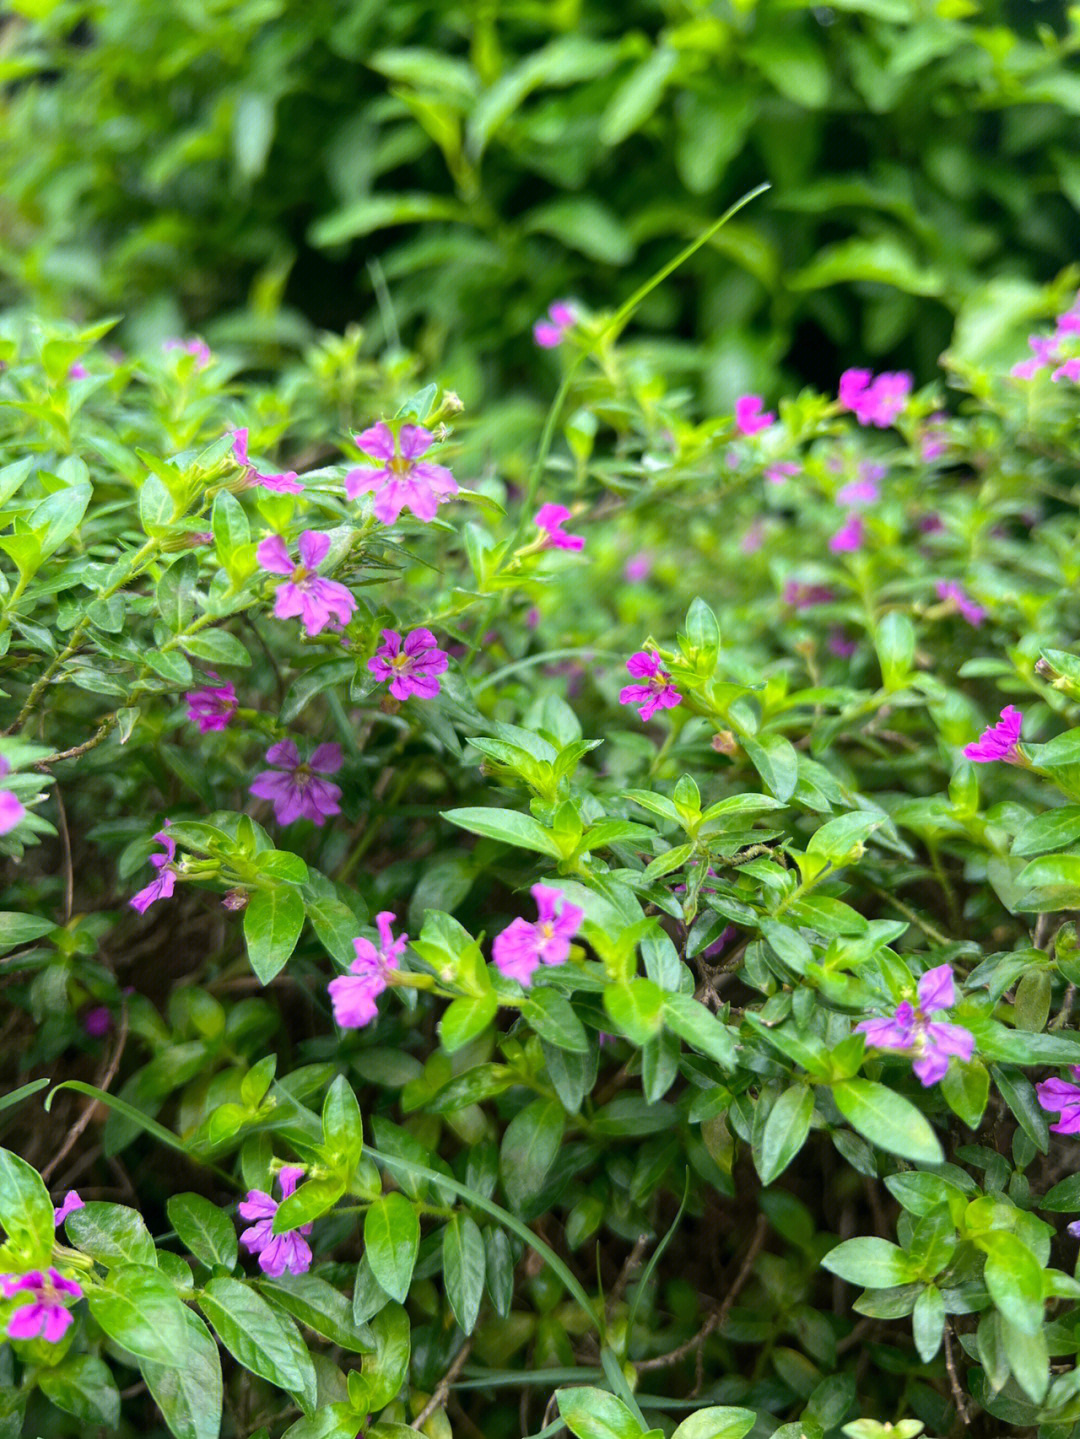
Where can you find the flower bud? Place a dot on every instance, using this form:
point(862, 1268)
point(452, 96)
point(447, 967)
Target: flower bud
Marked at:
point(188, 540)
point(724, 742)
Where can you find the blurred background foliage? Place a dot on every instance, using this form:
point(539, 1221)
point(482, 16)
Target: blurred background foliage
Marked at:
point(440, 172)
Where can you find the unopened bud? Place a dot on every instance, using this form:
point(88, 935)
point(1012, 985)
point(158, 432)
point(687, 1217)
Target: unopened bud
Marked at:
point(389, 705)
point(724, 742)
point(235, 899)
point(452, 403)
point(1044, 669)
point(189, 540)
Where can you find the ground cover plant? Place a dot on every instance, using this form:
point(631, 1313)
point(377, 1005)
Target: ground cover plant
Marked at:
point(574, 943)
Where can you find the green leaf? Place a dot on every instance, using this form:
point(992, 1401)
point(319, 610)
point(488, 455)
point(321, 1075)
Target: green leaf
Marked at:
point(887, 1120)
point(26, 1211)
point(391, 1241)
point(385, 1370)
point(637, 1008)
point(928, 1322)
point(465, 1019)
point(595, 1414)
point(698, 1027)
point(463, 1269)
point(82, 1385)
point(176, 592)
point(1064, 1197)
point(507, 825)
point(553, 1018)
point(529, 1147)
point(1013, 1276)
point(272, 924)
point(894, 640)
point(637, 97)
point(204, 1229)
point(1050, 831)
point(585, 224)
point(717, 1422)
point(343, 1127)
point(785, 1131)
point(1050, 883)
point(230, 526)
point(873, 1263)
point(776, 760)
point(17, 929)
point(189, 1392)
point(137, 1306)
point(112, 1234)
point(259, 1338)
point(216, 647)
point(1029, 1360)
point(965, 1088)
point(311, 1201)
point(320, 1307)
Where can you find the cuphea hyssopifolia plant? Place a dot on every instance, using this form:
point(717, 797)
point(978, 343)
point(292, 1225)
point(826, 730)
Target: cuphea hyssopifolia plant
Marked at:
point(790, 897)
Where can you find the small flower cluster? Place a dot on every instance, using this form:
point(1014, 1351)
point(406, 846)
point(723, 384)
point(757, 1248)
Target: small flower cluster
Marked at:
point(1046, 350)
point(875, 400)
point(933, 1042)
point(551, 332)
point(278, 1253)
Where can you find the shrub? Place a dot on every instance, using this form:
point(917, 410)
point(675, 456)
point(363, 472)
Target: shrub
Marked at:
point(610, 984)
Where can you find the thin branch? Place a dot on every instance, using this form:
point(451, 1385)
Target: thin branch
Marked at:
point(954, 1379)
point(442, 1389)
point(107, 724)
point(84, 1118)
point(69, 871)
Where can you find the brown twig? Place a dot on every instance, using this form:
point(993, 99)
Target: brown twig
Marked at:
point(954, 1379)
point(442, 1389)
point(105, 728)
point(69, 871)
point(84, 1118)
point(719, 1317)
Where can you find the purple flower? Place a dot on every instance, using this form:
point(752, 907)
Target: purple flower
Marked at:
point(973, 613)
point(658, 691)
point(1058, 1096)
point(1070, 370)
point(404, 480)
point(874, 401)
point(163, 886)
point(999, 741)
point(97, 1021)
point(410, 665)
point(778, 473)
point(805, 596)
point(864, 490)
point(849, 537)
point(294, 788)
point(43, 1314)
point(934, 438)
point(286, 484)
point(210, 708)
point(71, 1203)
point(12, 808)
point(638, 567)
point(199, 348)
point(78, 372)
point(318, 602)
point(930, 524)
point(840, 645)
point(911, 1028)
point(753, 539)
point(353, 995)
point(1044, 349)
point(552, 331)
point(551, 519)
point(277, 1253)
point(749, 417)
point(522, 947)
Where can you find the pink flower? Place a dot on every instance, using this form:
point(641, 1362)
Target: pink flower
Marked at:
point(78, 372)
point(658, 691)
point(999, 741)
point(12, 808)
point(163, 886)
point(1070, 370)
point(934, 438)
point(860, 492)
point(43, 1315)
point(522, 947)
point(840, 645)
point(638, 567)
point(874, 401)
point(353, 995)
point(403, 481)
point(932, 1041)
point(199, 348)
point(318, 602)
point(777, 474)
point(849, 537)
point(212, 709)
point(973, 613)
point(551, 519)
point(278, 1253)
point(286, 484)
point(753, 539)
point(1044, 349)
point(410, 666)
point(749, 418)
point(552, 331)
point(97, 1021)
point(1058, 1096)
point(294, 788)
point(70, 1204)
point(804, 597)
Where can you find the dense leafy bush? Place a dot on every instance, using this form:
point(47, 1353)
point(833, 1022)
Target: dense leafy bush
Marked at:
point(750, 1125)
point(483, 160)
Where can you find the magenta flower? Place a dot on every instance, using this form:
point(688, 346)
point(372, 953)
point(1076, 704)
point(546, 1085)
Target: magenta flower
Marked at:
point(70, 1204)
point(318, 602)
point(286, 484)
point(840, 645)
point(935, 438)
point(97, 1021)
point(973, 613)
point(210, 708)
point(278, 1253)
point(749, 416)
point(78, 372)
point(999, 741)
point(1044, 354)
point(849, 537)
point(410, 665)
point(552, 331)
point(930, 524)
point(874, 401)
point(404, 480)
point(43, 1314)
point(12, 808)
point(911, 1028)
point(163, 886)
point(658, 690)
point(1058, 1096)
point(778, 473)
point(551, 519)
point(1070, 370)
point(294, 788)
point(638, 567)
point(522, 947)
point(353, 995)
point(199, 348)
point(804, 596)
